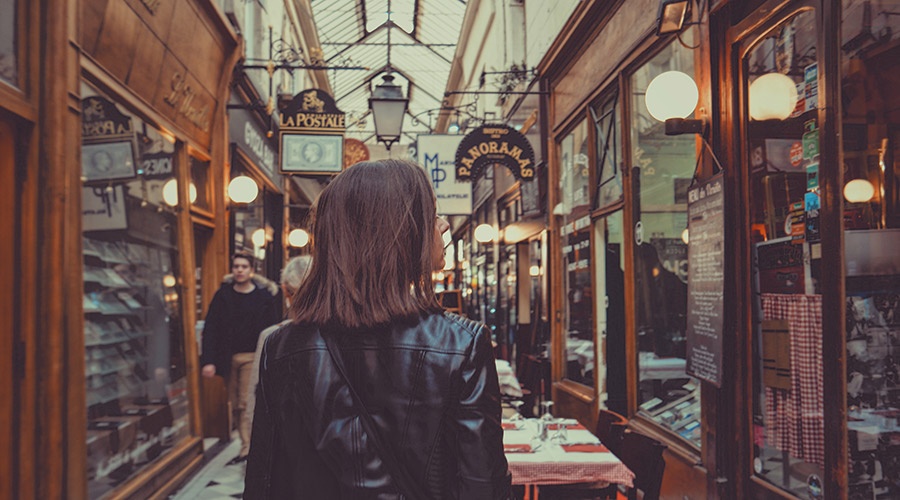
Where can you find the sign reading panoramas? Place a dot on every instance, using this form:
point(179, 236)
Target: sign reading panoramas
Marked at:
point(492, 144)
point(311, 134)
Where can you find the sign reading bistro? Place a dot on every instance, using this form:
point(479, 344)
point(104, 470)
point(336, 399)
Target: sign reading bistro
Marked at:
point(490, 144)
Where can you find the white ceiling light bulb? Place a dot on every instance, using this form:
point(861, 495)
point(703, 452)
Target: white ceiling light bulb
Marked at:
point(773, 96)
point(298, 238)
point(259, 238)
point(170, 192)
point(672, 94)
point(859, 191)
point(243, 189)
point(484, 233)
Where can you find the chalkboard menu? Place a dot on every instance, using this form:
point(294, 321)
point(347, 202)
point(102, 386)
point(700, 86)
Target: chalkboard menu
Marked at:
point(706, 285)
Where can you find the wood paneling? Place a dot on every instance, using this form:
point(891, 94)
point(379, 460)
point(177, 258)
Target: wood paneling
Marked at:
point(92, 12)
point(683, 479)
point(117, 42)
point(628, 26)
point(8, 214)
point(144, 76)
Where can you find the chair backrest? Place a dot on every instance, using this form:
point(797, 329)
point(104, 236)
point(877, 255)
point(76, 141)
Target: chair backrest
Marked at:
point(610, 428)
point(644, 456)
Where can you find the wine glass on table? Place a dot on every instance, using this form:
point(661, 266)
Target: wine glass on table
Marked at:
point(517, 419)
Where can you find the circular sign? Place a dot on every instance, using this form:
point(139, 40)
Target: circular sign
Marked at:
point(796, 154)
point(355, 151)
point(492, 144)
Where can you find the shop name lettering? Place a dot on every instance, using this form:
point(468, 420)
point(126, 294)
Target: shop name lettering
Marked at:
point(703, 192)
point(495, 148)
point(105, 128)
point(256, 144)
point(314, 120)
point(182, 97)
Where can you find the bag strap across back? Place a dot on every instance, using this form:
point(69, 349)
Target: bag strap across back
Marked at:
point(405, 483)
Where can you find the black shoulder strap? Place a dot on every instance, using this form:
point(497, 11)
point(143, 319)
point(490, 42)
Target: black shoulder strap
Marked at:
point(407, 486)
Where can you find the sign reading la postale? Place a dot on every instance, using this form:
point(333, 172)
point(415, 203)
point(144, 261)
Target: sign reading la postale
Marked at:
point(313, 110)
point(491, 144)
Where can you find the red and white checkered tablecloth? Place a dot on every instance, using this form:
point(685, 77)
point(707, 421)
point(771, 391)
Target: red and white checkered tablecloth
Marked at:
point(551, 464)
point(795, 417)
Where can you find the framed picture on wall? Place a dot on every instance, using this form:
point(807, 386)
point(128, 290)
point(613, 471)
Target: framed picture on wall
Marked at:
point(108, 161)
point(312, 154)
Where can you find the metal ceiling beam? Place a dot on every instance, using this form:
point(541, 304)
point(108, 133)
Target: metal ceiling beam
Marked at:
point(358, 42)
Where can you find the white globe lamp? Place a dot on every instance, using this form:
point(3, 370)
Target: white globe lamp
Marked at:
point(859, 191)
point(242, 189)
point(773, 96)
point(672, 94)
point(298, 238)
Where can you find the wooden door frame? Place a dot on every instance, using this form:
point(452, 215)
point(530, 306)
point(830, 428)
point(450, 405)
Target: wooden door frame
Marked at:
point(731, 104)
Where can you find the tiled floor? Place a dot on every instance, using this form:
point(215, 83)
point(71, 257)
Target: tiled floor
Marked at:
point(216, 480)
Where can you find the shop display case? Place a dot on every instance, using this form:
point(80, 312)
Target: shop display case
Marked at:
point(137, 407)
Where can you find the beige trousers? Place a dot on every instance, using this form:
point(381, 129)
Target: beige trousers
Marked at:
point(238, 386)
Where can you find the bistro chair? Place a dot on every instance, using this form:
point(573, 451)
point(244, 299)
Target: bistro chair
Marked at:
point(644, 456)
point(610, 429)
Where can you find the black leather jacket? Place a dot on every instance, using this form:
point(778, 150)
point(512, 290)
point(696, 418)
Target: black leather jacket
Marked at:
point(431, 388)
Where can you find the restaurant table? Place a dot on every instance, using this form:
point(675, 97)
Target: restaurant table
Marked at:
point(580, 458)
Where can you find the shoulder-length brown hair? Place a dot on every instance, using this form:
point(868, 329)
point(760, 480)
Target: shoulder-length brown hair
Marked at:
point(373, 228)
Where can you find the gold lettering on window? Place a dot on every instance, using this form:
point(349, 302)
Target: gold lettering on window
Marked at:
point(182, 99)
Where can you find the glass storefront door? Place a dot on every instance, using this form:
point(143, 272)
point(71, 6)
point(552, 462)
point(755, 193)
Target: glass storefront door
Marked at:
point(870, 74)
point(780, 71)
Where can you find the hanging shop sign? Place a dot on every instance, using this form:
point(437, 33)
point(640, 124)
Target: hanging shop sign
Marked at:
point(311, 135)
point(246, 133)
point(355, 151)
point(107, 144)
point(492, 144)
point(437, 155)
point(706, 284)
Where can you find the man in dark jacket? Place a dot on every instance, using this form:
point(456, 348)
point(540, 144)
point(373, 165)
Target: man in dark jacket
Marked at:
point(244, 306)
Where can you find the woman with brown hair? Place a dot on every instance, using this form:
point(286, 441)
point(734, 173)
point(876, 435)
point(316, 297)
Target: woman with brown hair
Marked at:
point(373, 391)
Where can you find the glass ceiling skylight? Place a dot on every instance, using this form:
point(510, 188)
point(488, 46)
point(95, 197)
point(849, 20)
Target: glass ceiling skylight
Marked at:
point(402, 13)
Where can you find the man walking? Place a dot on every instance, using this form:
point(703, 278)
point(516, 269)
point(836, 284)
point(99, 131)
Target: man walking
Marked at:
point(244, 306)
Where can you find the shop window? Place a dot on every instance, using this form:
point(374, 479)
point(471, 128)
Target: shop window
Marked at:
point(607, 123)
point(9, 46)
point(662, 172)
point(781, 90)
point(136, 381)
point(574, 222)
point(201, 184)
point(870, 71)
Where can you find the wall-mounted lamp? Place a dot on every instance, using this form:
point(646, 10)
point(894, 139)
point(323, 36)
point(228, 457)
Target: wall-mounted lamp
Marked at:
point(859, 191)
point(170, 192)
point(686, 236)
point(485, 233)
point(671, 97)
point(534, 271)
point(672, 16)
point(772, 96)
point(298, 238)
point(242, 189)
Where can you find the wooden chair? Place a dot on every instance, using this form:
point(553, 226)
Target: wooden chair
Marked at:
point(644, 456)
point(610, 429)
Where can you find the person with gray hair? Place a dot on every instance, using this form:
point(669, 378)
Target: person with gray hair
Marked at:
point(292, 277)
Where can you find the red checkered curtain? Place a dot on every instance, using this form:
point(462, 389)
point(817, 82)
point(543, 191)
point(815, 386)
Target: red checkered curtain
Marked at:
point(795, 417)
